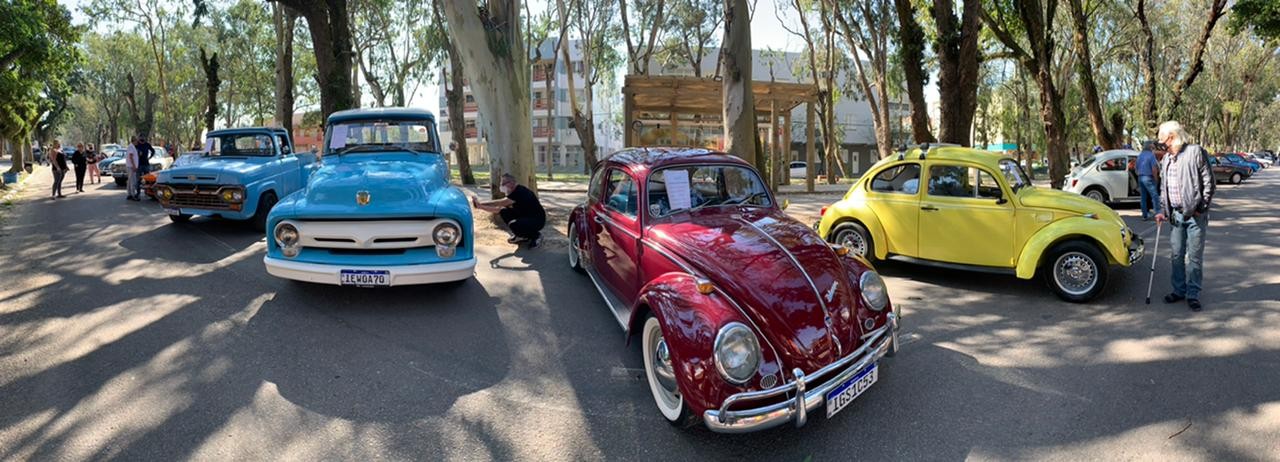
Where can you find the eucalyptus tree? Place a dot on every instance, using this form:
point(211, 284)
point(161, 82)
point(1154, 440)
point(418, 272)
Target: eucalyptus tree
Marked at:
point(691, 27)
point(155, 21)
point(866, 26)
point(739, 114)
point(642, 38)
point(592, 24)
point(37, 54)
point(453, 82)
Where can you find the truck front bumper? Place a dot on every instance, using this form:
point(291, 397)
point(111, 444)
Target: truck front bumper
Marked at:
point(401, 275)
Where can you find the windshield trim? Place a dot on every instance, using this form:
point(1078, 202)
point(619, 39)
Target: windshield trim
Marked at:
point(768, 193)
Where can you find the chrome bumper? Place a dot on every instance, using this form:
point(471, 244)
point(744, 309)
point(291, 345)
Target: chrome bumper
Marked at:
point(1137, 249)
point(808, 397)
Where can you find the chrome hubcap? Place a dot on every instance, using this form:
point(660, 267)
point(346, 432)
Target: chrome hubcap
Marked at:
point(1075, 273)
point(573, 248)
point(662, 368)
point(853, 241)
point(1097, 196)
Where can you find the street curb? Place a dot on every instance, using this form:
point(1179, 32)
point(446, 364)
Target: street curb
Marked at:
point(13, 190)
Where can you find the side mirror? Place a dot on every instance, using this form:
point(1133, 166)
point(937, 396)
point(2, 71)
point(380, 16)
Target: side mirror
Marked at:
point(786, 203)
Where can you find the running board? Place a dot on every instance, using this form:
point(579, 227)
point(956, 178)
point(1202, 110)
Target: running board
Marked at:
point(619, 309)
point(955, 266)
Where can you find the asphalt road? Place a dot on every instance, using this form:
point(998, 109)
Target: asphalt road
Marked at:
point(125, 336)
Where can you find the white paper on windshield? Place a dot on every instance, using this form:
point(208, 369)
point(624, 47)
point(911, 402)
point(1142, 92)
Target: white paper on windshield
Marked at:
point(339, 138)
point(208, 145)
point(677, 188)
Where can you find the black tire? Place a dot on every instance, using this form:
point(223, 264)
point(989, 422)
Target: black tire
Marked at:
point(1097, 194)
point(122, 182)
point(1237, 178)
point(1077, 260)
point(180, 218)
point(854, 236)
point(265, 204)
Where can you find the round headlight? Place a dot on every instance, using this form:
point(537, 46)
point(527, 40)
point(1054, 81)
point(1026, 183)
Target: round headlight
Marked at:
point(167, 193)
point(446, 234)
point(226, 196)
point(737, 353)
point(287, 235)
point(237, 195)
point(874, 293)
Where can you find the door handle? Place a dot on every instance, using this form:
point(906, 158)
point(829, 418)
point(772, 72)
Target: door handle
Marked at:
point(928, 208)
point(598, 219)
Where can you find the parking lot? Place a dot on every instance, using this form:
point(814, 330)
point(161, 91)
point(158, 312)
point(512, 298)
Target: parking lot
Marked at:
point(125, 336)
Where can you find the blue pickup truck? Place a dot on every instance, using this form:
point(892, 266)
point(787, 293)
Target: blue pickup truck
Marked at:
point(240, 175)
point(379, 211)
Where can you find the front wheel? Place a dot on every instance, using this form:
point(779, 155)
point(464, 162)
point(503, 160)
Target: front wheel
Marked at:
point(575, 258)
point(264, 208)
point(854, 237)
point(180, 218)
point(660, 371)
point(1076, 271)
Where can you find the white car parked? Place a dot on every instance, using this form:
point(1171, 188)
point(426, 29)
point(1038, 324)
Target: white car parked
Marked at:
point(798, 170)
point(1106, 177)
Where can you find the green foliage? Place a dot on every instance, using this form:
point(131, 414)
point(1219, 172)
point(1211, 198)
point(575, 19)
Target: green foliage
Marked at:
point(38, 55)
point(1260, 16)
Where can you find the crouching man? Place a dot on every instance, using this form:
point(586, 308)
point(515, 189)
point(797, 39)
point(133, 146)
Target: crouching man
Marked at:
point(520, 211)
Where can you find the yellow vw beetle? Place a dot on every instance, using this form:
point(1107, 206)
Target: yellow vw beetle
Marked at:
point(971, 209)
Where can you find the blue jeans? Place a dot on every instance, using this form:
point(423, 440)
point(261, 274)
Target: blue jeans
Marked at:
point(1188, 253)
point(1147, 187)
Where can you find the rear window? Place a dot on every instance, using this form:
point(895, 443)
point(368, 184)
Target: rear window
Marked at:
point(900, 179)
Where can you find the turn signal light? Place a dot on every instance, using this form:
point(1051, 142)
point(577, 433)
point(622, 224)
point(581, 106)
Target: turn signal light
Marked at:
point(705, 287)
point(841, 250)
point(823, 212)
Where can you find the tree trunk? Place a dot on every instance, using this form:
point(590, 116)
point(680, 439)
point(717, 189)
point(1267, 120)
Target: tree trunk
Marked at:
point(739, 114)
point(1084, 72)
point(454, 93)
point(549, 94)
point(492, 51)
point(958, 61)
point(583, 123)
point(1216, 10)
point(328, 22)
point(640, 52)
point(210, 66)
point(911, 51)
point(1148, 62)
point(284, 19)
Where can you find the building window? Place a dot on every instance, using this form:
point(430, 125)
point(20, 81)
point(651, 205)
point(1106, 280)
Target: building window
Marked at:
point(471, 99)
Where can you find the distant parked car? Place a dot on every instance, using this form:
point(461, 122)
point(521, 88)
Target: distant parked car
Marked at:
point(1259, 159)
point(160, 161)
point(1106, 177)
point(1228, 172)
point(1236, 159)
point(799, 169)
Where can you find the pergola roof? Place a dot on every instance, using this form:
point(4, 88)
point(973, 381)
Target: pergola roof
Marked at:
point(697, 95)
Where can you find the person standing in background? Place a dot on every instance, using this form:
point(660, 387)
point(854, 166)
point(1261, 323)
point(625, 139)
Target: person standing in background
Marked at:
point(95, 176)
point(80, 160)
point(145, 152)
point(1148, 170)
point(131, 167)
point(58, 161)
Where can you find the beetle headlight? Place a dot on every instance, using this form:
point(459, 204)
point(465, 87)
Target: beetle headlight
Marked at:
point(446, 234)
point(874, 293)
point(287, 237)
point(737, 353)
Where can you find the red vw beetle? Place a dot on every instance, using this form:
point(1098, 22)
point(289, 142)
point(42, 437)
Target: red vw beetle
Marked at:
point(746, 317)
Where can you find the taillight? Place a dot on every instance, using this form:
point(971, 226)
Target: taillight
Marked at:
point(823, 212)
point(1074, 181)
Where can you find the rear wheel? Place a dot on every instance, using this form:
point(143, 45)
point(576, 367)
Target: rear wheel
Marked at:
point(1076, 271)
point(660, 372)
point(854, 237)
point(1237, 178)
point(1096, 194)
point(180, 218)
point(265, 204)
point(121, 181)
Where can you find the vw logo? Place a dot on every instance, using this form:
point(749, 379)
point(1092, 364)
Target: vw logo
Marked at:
point(362, 197)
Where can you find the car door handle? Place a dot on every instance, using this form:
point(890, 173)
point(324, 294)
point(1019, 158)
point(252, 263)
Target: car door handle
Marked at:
point(598, 219)
point(928, 208)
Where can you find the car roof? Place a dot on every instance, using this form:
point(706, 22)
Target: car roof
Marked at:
point(655, 157)
point(956, 153)
point(240, 130)
point(393, 113)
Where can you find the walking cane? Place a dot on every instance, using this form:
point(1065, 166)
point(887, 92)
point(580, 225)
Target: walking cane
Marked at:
point(1152, 278)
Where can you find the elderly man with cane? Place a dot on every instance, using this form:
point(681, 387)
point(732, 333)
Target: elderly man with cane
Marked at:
point(1185, 194)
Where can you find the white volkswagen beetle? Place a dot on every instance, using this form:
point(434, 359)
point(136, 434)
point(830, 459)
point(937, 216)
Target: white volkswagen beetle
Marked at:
point(1106, 177)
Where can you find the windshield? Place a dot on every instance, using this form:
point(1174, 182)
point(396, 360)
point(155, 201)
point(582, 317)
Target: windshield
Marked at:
point(239, 145)
point(691, 187)
point(1014, 175)
point(383, 135)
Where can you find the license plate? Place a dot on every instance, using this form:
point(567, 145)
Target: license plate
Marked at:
point(173, 211)
point(848, 391)
point(365, 278)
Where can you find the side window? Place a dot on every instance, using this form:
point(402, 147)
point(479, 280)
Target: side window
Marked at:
point(283, 141)
point(950, 181)
point(901, 179)
point(988, 187)
point(1113, 165)
point(596, 185)
point(621, 194)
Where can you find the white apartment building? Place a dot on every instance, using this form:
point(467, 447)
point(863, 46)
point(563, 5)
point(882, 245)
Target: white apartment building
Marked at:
point(556, 132)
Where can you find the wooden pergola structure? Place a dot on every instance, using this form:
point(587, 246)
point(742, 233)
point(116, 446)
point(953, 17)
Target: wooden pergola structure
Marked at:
point(661, 100)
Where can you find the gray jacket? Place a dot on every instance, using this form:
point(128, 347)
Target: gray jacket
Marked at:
point(1196, 181)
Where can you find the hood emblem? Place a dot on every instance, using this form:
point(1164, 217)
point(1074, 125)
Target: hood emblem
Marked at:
point(831, 293)
point(191, 178)
point(363, 197)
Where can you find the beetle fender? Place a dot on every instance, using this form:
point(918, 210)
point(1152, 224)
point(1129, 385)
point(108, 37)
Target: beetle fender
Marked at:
point(1103, 233)
point(853, 210)
point(690, 322)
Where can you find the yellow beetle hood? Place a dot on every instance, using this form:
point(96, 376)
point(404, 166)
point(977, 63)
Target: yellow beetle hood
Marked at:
point(1061, 200)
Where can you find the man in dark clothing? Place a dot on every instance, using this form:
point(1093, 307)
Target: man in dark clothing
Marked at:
point(520, 210)
point(145, 151)
point(1186, 192)
point(1148, 176)
point(80, 159)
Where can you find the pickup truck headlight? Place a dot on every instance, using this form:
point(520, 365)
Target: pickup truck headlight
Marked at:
point(287, 237)
point(446, 236)
point(233, 196)
point(737, 353)
point(166, 192)
point(874, 293)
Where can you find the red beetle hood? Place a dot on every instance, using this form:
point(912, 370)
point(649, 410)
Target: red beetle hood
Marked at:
point(750, 256)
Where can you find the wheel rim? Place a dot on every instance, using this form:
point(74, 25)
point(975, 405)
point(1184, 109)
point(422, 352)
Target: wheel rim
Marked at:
point(1075, 273)
point(1095, 195)
point(1235, 178)
point(661, 373)
point(573, 247)
point(852, 240)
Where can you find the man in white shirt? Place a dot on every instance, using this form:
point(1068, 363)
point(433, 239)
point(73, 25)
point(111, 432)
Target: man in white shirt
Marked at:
point(131, 167)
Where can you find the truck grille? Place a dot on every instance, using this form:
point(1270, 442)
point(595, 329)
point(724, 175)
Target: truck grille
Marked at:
point(197, 196)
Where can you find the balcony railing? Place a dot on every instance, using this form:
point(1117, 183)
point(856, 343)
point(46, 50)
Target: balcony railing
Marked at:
point(542, 132)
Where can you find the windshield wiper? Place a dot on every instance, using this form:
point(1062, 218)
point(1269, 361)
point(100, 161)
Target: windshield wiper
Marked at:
point(748, 198)
point(357, 147)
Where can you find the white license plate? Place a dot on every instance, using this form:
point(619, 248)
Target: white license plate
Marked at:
point(173, 211)
point(848, 391)
point(365, 278)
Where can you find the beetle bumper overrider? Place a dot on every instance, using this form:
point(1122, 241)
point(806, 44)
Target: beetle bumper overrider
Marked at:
point(1137, 249)
point(808, 396)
